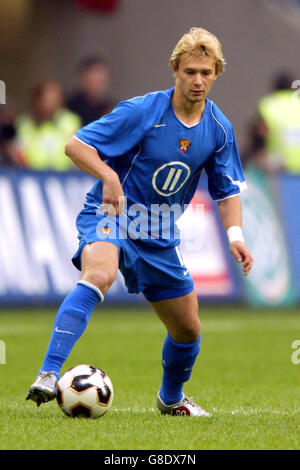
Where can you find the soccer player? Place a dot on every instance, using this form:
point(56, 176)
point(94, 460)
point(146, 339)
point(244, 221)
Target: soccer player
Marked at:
point(148, 154)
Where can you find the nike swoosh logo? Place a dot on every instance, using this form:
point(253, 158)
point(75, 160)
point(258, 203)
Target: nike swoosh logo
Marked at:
point(64, 331)
point(185, 272)
point(159, 125)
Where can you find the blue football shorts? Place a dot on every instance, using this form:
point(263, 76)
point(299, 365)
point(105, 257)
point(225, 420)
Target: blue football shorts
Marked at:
point(159, 273)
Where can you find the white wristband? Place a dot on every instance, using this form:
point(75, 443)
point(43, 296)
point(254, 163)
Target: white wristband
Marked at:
point(235, 234)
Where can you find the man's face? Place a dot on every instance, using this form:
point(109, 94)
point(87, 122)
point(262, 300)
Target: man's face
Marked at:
point(49, 101)
point(195, 77)
point(95, 80)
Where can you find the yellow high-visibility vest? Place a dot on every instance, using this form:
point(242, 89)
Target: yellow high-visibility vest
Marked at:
point(43, 145)
point(281, 112)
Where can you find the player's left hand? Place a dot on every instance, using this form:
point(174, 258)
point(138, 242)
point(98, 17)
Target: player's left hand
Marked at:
point(242, 255)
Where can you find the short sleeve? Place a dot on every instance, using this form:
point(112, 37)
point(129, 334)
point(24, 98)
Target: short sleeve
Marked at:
point(118, 132)
point(224, 170)
point(115, 133)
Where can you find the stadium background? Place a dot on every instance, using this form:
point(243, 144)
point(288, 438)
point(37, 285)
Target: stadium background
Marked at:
point(41, 39)
point(247, 374)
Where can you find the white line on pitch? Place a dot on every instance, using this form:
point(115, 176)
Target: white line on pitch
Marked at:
point(218, 411)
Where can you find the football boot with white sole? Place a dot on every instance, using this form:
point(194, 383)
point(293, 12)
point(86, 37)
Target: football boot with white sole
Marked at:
point(43, 389)
point(184, 407)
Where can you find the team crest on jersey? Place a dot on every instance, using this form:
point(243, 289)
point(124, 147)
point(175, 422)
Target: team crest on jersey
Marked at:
point(106, 230)
point(184, 145)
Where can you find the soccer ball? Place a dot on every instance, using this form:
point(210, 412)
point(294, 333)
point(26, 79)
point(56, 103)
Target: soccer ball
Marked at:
point(84, 391)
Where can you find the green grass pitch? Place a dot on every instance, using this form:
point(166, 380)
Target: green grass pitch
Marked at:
point(244, 377)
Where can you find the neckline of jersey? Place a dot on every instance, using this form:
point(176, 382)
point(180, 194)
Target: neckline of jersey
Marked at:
point(183, 123)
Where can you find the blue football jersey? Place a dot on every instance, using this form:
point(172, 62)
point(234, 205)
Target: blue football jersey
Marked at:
point(159, 159)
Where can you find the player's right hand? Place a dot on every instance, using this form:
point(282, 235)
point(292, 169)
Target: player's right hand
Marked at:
point(113, 199)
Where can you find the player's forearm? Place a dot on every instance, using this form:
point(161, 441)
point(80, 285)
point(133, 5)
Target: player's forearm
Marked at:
point(230, 211)
point(88, 160)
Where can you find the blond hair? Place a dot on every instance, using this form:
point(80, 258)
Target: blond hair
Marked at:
point(198, 41)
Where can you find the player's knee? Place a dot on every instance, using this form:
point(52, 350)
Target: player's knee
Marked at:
point(199, 326)
point(193, 332)
point(194, 327)
point(189, 332)
point(102, 279)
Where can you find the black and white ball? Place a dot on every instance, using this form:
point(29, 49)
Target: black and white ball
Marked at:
point(84, 391)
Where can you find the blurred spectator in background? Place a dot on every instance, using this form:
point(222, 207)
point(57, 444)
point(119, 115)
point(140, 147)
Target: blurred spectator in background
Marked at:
point(274, 135)
point(10, 153)
point(44, 133)
point(90, 101)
